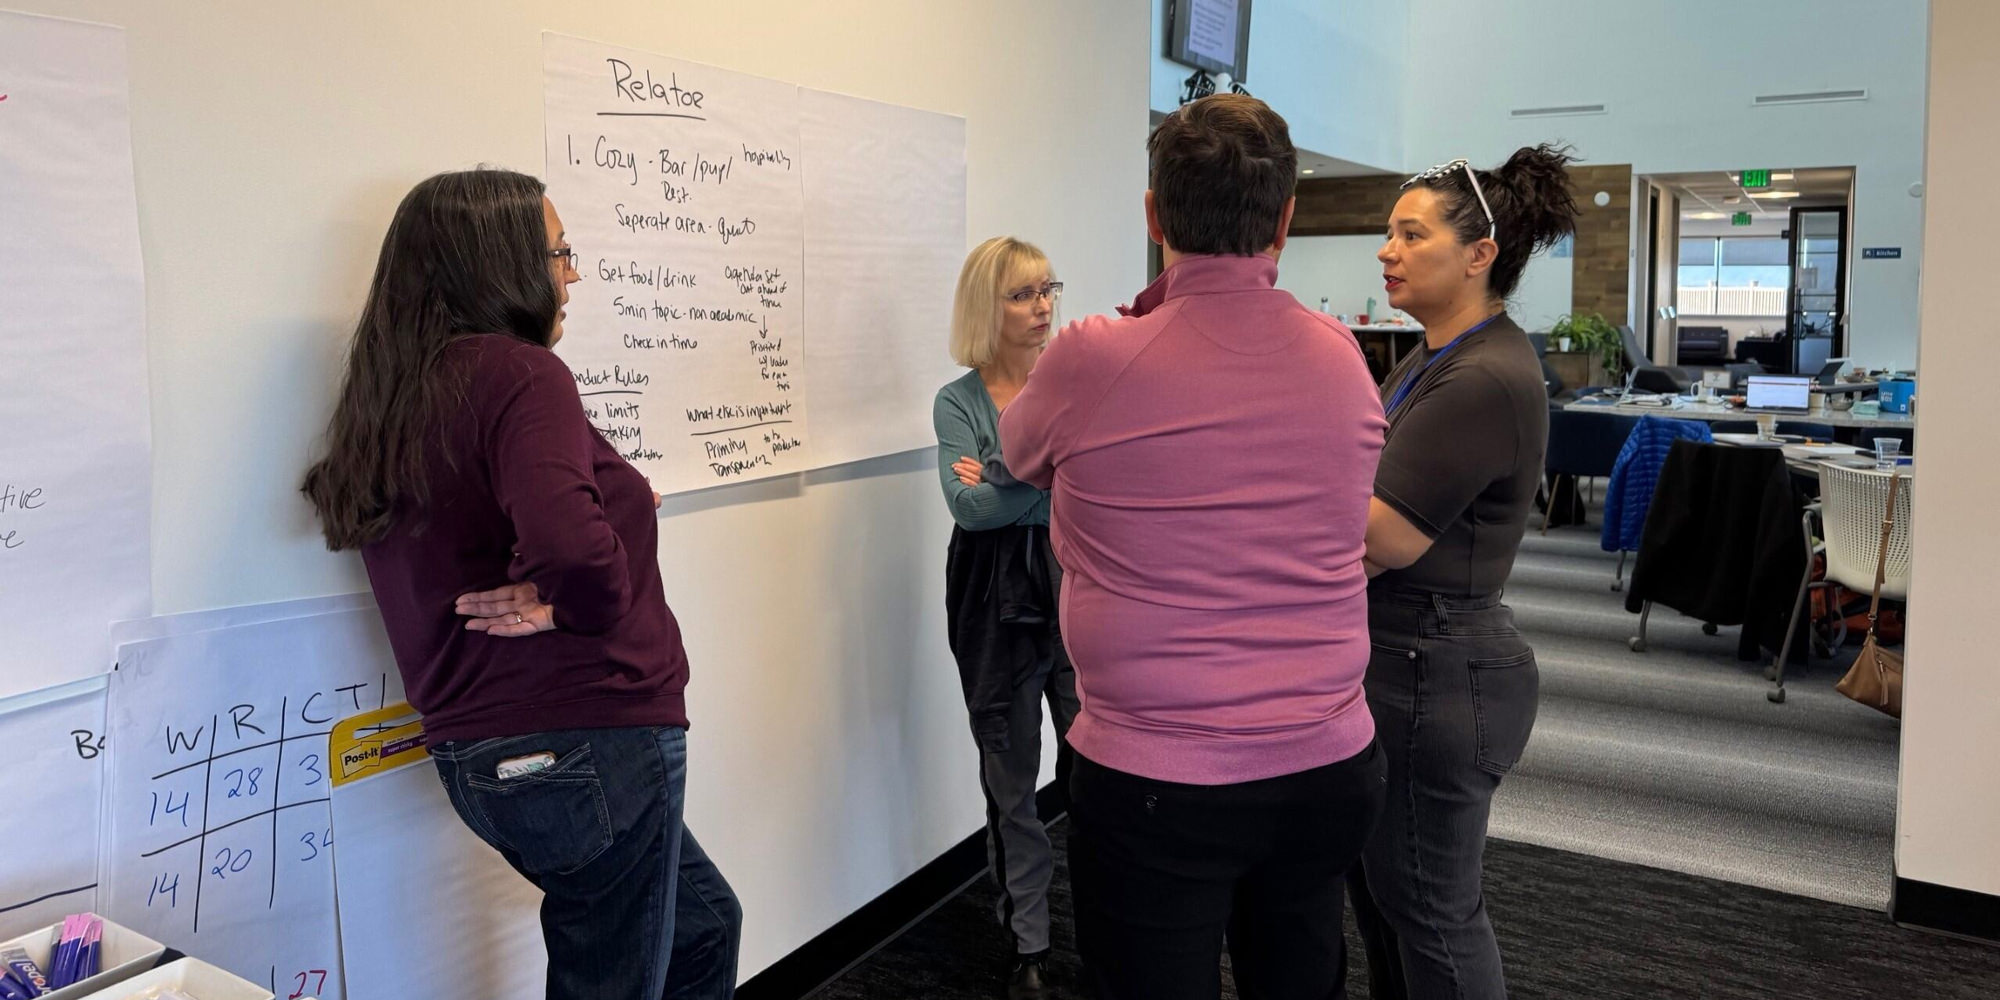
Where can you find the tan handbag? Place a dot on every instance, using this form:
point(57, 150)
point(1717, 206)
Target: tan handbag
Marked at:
point(1876, 679)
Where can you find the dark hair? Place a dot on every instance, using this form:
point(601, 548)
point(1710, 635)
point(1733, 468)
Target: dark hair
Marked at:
point(1533, 208)
point(467, 252)
point(1222, 169)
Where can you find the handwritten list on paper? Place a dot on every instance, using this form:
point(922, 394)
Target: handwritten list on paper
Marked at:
point(75, 464)
point(680, 190)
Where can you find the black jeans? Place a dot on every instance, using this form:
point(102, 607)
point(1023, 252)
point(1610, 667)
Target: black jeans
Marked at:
point(1453, 687)
point(1164, 872)
point(631, 906)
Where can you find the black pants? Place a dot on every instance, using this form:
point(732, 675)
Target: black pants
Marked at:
point(1017, 842)
point(1453, 688)
point(1164, 872)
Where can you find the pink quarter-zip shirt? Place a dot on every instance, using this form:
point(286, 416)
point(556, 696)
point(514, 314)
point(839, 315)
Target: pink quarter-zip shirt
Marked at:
point(1212, 452)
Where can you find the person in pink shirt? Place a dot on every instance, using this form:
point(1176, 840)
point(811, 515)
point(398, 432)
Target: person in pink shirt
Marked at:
point(1211, 454)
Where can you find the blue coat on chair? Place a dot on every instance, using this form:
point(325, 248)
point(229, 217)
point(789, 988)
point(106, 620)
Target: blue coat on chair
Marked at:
point(1636, 472)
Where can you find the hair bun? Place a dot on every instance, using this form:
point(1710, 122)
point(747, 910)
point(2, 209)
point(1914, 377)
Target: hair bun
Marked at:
point(1545, 206)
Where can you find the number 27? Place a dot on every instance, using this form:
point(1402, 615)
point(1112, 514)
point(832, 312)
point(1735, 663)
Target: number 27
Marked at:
point(304, 977)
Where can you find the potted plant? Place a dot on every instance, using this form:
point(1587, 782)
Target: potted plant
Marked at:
point(1593, 334)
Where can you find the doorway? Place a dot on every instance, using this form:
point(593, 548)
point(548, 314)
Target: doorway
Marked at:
point(1757, 271)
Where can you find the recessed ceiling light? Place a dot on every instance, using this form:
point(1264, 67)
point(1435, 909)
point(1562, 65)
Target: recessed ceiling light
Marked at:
point(1307, 170)
point(1782, 175)
point(1774, 195)
point(1706, 215)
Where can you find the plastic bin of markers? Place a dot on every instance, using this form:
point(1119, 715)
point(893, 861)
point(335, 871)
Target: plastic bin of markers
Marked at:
point(122, 954)
point(191, 976)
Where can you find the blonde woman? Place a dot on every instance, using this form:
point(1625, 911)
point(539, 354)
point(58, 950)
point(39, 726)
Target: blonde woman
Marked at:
point(1001, 582)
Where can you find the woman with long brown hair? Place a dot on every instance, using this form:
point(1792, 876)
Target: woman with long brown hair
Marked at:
point(513, 555)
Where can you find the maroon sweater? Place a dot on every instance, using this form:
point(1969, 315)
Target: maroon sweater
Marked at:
point(526, 490)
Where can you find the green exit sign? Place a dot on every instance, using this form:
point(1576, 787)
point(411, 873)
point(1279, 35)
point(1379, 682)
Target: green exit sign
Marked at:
point(1756, 178)
point(1740, 219)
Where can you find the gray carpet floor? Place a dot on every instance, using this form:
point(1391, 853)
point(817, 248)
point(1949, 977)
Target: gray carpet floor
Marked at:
point(1669, 831)
point(1673, 758)
point(1570, 926)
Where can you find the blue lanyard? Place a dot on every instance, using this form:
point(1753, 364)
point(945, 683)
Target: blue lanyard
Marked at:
point(1409, 383)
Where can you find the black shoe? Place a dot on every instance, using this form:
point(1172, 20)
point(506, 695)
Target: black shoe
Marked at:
point(1029, 980)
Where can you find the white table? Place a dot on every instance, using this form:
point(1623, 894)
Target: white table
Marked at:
point(1682, 409)
point(1807, 458)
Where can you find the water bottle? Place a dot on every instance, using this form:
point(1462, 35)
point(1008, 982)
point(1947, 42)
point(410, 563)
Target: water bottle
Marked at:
point(1323, 306)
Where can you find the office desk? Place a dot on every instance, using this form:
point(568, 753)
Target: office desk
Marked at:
point(1807, 458)
point(1711, 413)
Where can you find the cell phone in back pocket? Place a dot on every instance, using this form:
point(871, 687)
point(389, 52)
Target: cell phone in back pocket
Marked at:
point(522, 766)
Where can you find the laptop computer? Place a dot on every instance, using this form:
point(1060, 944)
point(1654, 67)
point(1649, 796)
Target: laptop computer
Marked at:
point(1829, 373)
point(1778, 393)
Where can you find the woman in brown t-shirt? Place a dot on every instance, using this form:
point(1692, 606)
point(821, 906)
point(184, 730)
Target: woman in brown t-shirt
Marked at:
point(1468, 422)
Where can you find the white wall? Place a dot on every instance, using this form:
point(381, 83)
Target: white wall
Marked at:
point(1949, 811)
point(1678, 78)
point(1333, 69)
point(1341, 268)
point(1544, 293)
point(830, 753)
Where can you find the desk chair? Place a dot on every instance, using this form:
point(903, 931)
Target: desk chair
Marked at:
point(1852, 503)
point(1646, 375)
point(1583, 444)
point(1718, 544)
point(1635, 474)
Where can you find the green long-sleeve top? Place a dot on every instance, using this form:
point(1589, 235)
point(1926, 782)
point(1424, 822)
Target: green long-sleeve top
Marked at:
point(969, 424)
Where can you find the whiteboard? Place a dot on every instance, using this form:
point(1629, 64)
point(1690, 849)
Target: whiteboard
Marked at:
point(679, 185)
point(74, 455)
point(885, 237)
point(217, 833)
point(55, 737)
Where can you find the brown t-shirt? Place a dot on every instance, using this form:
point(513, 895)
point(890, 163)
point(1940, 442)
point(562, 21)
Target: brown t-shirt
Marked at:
point(1464, 457)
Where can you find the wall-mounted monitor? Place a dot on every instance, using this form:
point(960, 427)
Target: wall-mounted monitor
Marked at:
point(1212, 35)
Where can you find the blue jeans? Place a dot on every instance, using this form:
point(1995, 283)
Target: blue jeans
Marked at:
point(632, 908)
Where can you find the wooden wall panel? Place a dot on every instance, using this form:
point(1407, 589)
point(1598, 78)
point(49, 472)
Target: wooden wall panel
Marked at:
point(1600, 278)
point(1346, 206)
point(1601, 272)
